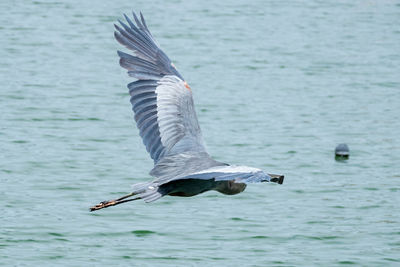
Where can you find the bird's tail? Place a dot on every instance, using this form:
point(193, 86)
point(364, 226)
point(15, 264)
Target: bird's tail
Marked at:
point(147, 191)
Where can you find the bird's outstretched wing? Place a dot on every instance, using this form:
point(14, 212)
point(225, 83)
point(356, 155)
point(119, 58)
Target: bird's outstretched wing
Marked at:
point(161, 99)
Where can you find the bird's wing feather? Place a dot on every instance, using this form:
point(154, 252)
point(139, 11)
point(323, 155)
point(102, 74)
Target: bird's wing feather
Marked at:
point(239, 174)
point(201, 166)
point(161, 99)
point(182, 165)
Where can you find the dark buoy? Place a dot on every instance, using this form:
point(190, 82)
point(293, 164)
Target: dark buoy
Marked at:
point(342, 152)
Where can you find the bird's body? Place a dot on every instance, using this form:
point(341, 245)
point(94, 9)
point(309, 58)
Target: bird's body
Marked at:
point(164, 113)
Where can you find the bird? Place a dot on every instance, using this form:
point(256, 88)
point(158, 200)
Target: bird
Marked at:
point(164, 112)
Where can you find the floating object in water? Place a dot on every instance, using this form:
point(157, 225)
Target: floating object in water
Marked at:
point(342, 152)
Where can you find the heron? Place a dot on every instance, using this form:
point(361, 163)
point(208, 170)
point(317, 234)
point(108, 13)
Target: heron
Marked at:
point(164, 112)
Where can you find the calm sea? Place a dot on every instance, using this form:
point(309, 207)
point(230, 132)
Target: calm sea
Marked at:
point(277, 85)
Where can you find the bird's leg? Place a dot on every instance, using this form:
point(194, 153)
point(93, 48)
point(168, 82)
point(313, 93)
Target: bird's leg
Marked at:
point(276, 178)
point(106, 204)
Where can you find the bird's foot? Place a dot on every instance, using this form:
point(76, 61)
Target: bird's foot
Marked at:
point(103, 204)
point(109, 203)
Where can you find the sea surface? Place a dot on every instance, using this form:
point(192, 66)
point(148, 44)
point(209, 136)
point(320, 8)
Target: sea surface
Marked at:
point(277, 85)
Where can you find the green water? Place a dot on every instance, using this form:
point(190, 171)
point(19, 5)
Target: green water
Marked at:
point(277, 85)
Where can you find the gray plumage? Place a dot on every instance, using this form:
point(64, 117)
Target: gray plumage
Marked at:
point(165, 115)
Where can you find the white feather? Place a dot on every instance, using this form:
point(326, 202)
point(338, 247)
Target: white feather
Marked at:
point(230, 169)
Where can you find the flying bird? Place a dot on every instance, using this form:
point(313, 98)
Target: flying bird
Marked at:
point(164, 112)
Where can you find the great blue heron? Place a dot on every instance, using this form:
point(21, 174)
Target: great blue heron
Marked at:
point(165, 115)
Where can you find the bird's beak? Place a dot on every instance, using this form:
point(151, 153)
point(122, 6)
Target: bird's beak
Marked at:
point(277, 178)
